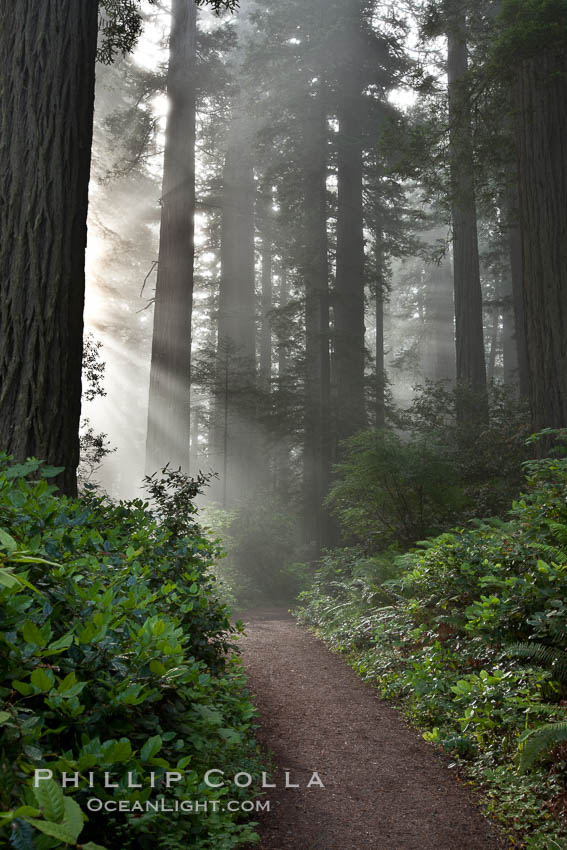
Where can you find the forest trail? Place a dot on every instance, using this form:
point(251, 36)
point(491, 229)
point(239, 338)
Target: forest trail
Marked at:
point(385, 788)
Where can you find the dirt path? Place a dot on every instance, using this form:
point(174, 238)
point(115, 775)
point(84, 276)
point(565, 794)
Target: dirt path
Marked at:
point(385, 788)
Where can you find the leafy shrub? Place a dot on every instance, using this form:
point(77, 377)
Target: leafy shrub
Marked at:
point(486, 458)
point(115, 657)
point(392, 490)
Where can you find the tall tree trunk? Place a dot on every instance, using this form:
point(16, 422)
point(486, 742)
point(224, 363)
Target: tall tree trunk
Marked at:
point(266, 322)
point(471, 366)
point(47, 52)
point(380, 405)
point(168, 435)
point(235, 414)
point(516, 271)
point(509, 348)
point(349, 290)
point(439, 361)
point(283, 449)
point(542, 151)
point(316, 276)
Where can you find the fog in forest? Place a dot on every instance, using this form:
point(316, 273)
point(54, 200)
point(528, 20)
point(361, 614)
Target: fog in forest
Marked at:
point(323, 267)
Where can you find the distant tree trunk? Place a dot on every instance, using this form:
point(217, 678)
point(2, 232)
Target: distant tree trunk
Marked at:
point(542, 150)
point(168, 436)
point(348, 300)
point(439, 361)
point(516, 270)
point(235, 424)
point(471, 366)
point(282, 459)
point(509, 348)
point(194, 459)
point(266, 322)
point(47, 72)
point(380, 407)
point(316, 276)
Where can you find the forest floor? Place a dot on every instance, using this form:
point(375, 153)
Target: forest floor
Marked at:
point(385, 787)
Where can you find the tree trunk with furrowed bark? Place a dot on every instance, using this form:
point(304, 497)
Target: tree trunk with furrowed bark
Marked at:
point(542, 150)
point(47, 73)
point(470, 366)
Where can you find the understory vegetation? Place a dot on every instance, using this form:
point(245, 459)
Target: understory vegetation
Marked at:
point(465, 630)
point(117, 668)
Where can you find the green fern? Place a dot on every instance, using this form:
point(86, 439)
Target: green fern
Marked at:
point(554, 660)
point(553, 553)
point(541, 740)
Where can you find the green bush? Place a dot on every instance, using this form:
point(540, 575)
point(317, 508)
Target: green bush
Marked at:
point(393, 490)
point(486, 457)
point(115, 657)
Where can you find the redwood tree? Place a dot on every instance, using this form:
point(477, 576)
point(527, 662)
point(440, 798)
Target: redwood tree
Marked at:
point(168, 436)
point(471, 367)
point(47, 56)
point(315, 268)
point(542, 135)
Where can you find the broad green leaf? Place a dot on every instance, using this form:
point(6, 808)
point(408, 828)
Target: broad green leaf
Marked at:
point(26, 811)
point(51, 471)
point(67, 683)
point(7, 542)
point(90, 845)
point(42, 680)
point(151, 748)
point(120, 751)
point(56, 830)
point(63, 642)
point(20, 470)
point(8, 579)
point(4, 717)
point(50, 798)
point(73, 818)
point(22, 688)
point(230, 735)
point(32, 634)
point(158, 668)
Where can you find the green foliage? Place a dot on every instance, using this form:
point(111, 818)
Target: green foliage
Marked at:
point(541, 741)
point(458, 631)
point(487, 458)
point(121, 23)
point(393, 490)
point(260, 537)
point(115, 658)
point(530, 27)
point(544, 656)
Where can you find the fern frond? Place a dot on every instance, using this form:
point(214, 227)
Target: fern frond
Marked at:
point(554, 660)
point(553, 553)
point(541, 740)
